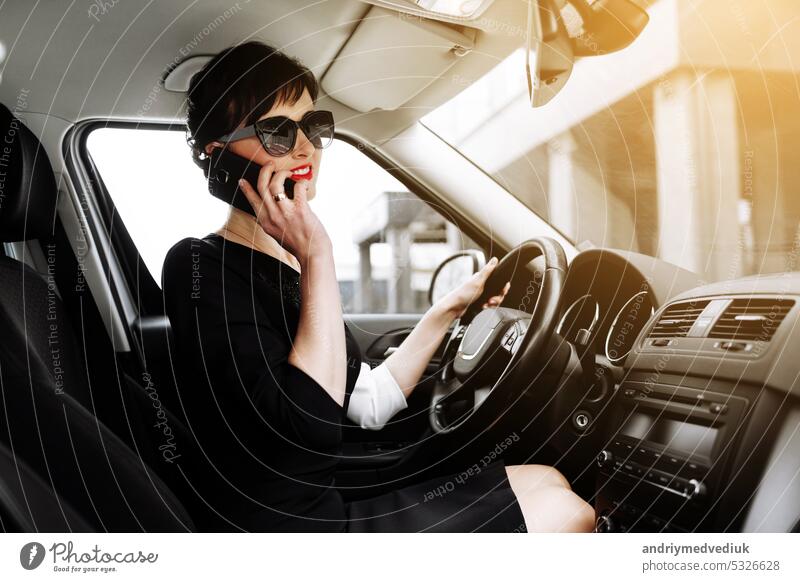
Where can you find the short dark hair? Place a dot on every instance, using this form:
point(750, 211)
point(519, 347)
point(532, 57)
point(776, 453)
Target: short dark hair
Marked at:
point(241, 83)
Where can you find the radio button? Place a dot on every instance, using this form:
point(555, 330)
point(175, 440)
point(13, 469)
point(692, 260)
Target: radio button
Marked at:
point(622, 447)
point(622, 444)
point(697, 488)
point(663, 479)
point(634, 469)
point(670, 463)
point(604, 458)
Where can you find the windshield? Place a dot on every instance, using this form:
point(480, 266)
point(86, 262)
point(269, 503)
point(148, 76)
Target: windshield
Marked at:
point(680, 146)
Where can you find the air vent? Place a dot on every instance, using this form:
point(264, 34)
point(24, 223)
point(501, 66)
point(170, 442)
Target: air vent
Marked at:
point(751, 319)
point(677, 319)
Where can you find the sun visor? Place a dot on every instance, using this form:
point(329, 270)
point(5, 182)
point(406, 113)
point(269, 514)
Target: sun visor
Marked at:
point(391, 57)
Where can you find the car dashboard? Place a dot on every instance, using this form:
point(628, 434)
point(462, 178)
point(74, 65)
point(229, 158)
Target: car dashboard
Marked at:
point(701, 428)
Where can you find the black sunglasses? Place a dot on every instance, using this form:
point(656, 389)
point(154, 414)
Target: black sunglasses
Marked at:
point(279, 134)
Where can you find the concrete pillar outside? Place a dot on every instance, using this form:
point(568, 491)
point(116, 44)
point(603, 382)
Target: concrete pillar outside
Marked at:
point(363, 291)
point(698, 172)
point(580, 203)
point(398, 286)
point(456, 240)
point(561, 199)
point(768, 214)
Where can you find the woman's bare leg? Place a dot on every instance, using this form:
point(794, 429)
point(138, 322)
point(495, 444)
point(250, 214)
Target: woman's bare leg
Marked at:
point(547, 501)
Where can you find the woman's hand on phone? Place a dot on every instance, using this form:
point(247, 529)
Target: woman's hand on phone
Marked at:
point(290, 221)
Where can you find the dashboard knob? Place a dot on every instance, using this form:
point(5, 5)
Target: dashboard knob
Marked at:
point(604, 524)
point(604, 458)
point(696, 489)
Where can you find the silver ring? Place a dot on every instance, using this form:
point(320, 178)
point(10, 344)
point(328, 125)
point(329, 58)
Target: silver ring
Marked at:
point(279, 196)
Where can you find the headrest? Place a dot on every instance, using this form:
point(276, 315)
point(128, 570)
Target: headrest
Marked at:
point(28, 193)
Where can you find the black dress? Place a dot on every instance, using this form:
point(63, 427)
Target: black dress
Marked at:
point(270, 433)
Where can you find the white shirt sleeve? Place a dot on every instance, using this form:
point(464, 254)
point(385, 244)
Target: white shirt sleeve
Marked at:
point(376, 397)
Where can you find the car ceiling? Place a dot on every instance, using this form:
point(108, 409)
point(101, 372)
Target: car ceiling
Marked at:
point(107, 58)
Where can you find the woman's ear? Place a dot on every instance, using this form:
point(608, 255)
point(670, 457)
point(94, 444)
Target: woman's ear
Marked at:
point(210, 147)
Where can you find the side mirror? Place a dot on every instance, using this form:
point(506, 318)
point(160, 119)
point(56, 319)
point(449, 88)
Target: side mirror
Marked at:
point(454, 271)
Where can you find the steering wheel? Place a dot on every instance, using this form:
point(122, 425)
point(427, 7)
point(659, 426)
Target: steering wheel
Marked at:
point(492, 353)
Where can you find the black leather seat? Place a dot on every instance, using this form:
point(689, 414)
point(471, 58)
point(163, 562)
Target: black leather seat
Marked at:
point(71, 459)
point(28, 504)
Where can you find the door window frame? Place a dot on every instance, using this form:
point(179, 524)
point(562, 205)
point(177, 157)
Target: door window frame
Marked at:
point(142, 289)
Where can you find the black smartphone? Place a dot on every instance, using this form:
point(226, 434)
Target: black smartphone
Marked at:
point(224, 172)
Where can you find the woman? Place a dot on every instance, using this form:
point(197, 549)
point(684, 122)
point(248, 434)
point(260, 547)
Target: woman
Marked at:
point(268, 368)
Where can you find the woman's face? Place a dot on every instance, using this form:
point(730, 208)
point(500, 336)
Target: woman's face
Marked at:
point(304, 154)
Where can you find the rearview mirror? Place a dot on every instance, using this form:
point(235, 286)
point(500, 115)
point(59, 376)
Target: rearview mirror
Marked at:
point(607, 26)
point(454, 271)
point(549, 55)
point(561, 30)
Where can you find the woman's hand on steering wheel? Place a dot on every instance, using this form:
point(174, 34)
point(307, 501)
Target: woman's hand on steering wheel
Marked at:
point(457, 300)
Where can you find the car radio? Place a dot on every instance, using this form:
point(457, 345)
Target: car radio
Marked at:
point(671, 473)
point(666, 459)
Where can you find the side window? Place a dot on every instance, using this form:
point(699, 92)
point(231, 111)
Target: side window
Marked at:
point(159, 193)
point(387, 242)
